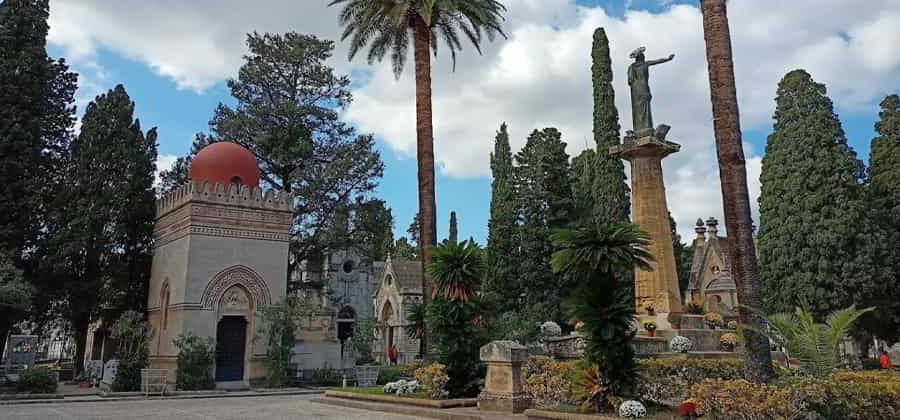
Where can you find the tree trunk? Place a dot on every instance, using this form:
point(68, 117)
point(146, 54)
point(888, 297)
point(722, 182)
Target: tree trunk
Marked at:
point(733, 174)
point(425, 157)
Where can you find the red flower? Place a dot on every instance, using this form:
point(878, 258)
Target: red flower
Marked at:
point(687, 408)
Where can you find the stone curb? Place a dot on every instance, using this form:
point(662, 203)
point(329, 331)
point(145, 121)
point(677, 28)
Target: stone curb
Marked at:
point(95, 399)
point(431, 413)
point(390, 399)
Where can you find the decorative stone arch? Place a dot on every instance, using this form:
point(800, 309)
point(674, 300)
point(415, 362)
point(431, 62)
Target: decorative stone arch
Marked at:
point(238, 275)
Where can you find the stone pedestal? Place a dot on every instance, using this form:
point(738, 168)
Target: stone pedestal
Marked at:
point(659, 286)
point(503, 389)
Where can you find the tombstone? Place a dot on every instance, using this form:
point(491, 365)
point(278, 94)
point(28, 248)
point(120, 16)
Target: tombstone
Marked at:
point(503, 390)
point(20, 352)
point(93, 369)
point(109, 373)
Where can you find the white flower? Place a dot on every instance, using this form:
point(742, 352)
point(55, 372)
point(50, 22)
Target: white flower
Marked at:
point(632, 409)
point(401, 387)
point(680, 344)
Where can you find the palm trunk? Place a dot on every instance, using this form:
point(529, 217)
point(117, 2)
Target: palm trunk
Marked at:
point(424, 156)
point(733, 174)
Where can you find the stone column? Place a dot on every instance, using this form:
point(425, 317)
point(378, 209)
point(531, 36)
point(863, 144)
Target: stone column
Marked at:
point(503, 389)
point(658, 287)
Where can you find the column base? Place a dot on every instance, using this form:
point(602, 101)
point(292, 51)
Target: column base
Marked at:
point(515, 403)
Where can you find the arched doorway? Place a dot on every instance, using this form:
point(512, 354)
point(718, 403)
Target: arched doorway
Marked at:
point(345, 320)
point(231, 342)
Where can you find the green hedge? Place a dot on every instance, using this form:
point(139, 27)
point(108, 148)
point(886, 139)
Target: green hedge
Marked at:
point(196, 358)
point(37, 380)
point(669, 380)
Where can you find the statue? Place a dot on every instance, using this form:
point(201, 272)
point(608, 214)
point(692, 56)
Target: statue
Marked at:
point(639, 80)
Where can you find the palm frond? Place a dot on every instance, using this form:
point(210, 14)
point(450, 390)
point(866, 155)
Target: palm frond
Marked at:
point(456, 269)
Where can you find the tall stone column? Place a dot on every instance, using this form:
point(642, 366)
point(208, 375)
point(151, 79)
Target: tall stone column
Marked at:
point(658, 287)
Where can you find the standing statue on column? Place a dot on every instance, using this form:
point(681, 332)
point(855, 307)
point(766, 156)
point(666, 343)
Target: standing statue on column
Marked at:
point(639, 80)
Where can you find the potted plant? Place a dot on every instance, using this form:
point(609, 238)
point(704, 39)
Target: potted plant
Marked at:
point(695, 307)
point(680, 344)
point(732, 325)
point(650, 326)
point(728, 341)
point(651, 310)
point(713, 320)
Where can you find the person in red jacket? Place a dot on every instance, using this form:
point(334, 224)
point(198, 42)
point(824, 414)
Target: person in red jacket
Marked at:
point(392, 354)
point(884, 361)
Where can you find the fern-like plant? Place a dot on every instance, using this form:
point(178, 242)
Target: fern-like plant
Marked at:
point(814, 344)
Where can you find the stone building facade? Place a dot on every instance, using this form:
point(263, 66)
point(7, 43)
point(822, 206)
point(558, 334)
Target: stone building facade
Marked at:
point(711, 281)
point(221, 251)
point(399, 290)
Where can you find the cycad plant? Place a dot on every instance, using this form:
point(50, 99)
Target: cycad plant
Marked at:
point(457, 270)
point(814, 344)
point(591, 256)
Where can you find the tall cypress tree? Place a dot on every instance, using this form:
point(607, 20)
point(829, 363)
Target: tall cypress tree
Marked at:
point(105, 215)
point(453, 237)
point(612, 201)
point(545, 204)
point(502, 248)
point(36, 120)
point(884, 217)
point(583, 180)
point(810, 204)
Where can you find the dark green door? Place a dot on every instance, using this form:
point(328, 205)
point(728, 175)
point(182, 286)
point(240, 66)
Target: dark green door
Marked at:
point(231, 340)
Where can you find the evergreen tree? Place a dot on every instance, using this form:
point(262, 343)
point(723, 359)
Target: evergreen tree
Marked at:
point(611, 197)
point(453, 237)
point(884, 217)
point(583, 180)
point(545, 205)
point(371, 229)
point(15, 296)
point(502, 280)
point(176, 176)
point(36, 120)
point(105, 216)
point(810, 205)
point(684, 256)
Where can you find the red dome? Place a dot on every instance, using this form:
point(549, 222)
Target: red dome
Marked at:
point(227, 163)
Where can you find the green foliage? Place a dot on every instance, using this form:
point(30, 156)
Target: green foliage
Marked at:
point(37, 380)
point(362, 339)
point(545, 204)
point(883, 195)
point(172, 178)
point(815, 345)
point(416, 318)
point(549, 382)
point(669, 380)
point(591, 256)
point(195, 361)
point(387, 26)
point(457, 270)
point(501, 281)
point(15, 294)
point(522, 326)
point(684, 256)
point(133, 335)
point(453, 237)
point(327, 376)
point(278, 326)
point(811, 243)
point(433, 379)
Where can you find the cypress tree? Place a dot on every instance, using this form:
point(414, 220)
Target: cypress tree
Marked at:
point(502, 249)
point(545, 205)
point(583, 180)
point(106, 214)
point(454, 229)
point(612, 202)
point(883, 184)
point(36, 120)
point(810, 204)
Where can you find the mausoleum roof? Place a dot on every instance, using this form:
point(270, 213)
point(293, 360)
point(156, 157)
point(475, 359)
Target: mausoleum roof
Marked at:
point(227, 163)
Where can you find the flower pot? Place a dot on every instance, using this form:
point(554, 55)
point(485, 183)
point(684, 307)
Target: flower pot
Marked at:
point(651, 333)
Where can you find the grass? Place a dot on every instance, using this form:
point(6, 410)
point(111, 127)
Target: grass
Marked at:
point(377, 390)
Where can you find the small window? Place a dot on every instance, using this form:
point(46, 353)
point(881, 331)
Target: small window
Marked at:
point(236, 180)
point(389, 280)
point(348, 267)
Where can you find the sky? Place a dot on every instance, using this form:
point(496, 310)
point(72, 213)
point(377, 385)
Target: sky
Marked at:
point(174, 57)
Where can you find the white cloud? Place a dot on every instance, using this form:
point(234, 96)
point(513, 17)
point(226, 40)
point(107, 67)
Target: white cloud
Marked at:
point(540, 76)
point(163, 163)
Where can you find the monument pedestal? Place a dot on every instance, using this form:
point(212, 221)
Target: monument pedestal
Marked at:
point(503, 389)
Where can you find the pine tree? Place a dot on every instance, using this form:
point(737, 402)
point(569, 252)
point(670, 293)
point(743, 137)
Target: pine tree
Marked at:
point(502, 250)
point(36, 120)
point(612, 202)
point(545, 205)
point(105, 216)
point(453, 237)
point(883, 185)
point(810, 204)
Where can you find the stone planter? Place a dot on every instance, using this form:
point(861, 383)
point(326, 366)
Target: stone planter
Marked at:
point(392, 399)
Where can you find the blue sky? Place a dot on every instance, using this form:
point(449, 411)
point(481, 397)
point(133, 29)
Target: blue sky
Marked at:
point(174, 67)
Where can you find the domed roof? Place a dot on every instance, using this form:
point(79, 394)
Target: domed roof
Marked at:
point(227, 163)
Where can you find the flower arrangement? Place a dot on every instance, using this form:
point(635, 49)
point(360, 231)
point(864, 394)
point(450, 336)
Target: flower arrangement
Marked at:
point(433, 379)
point(651, 310)
point(728, 341)
point(401, 387)
point(651, 327)
point(680, 344)
point(688, 409)
point(713, 319)
point(732, 325)
point(695, 307)
point(632, 409)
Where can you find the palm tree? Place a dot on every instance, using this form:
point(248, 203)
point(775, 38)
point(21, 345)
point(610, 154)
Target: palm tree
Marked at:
point(733, 174)
point(591, 257)
point(457, 270)
point(815, 345)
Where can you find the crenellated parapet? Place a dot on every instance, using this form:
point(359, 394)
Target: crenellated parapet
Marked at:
point(218, 193)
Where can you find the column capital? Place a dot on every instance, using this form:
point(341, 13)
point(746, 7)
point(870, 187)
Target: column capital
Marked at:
point(647, 146)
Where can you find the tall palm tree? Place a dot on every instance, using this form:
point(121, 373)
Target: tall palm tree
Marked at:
point(733, 174)
point(386, 26)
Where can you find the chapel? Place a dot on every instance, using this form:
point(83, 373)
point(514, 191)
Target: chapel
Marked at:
point(711, 281)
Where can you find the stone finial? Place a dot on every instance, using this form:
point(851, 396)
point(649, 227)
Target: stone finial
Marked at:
point(503, 351)
point(700, 228)
point(712, 226)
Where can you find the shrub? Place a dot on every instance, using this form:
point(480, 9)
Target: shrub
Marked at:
point(196, 358)
point(327, 376)
point(695, 307)
point(393, 373)
point(728, 341)
point(732, 325)
point(133, 334)
point(549, 381)
point(37, 380)
point(713, 319)
point(433, 379)
point(278, 326)
point(669, 380)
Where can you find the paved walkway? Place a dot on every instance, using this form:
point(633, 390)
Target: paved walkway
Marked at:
point(240, 408)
